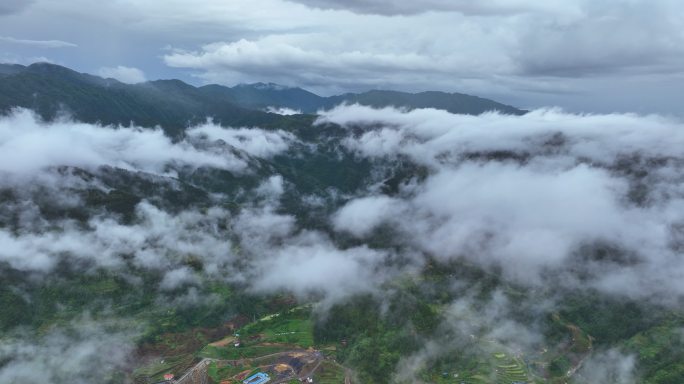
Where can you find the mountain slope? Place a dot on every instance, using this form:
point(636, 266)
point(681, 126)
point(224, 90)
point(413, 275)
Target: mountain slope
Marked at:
point(452, 102)
point(51, 90)
point(262, 95)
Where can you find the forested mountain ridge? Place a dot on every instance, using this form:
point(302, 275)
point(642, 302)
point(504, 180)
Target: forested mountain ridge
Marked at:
point(51, 89)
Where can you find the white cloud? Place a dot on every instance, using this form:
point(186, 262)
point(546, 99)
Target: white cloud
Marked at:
point(28, 145)
point(528, 193)
point(254, 141)
point(124, 74)
point(399, 7)
point(283, 111)
point(67, 355)
point(157, 241)
point(508, 48)
point(272, 188)
point(427, 135)
point(611, 366)
point(272, 57)
point(177, 278)
point(360, 216)
point(283, 257)
point(309, 264)
point(38, 43)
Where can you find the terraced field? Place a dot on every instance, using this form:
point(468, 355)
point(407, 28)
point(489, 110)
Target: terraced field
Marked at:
point(510, 369)
point(329, 373)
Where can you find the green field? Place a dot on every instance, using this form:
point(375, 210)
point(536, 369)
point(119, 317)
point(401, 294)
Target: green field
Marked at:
point(218, 372)
point(293, 327)
point(232, 353)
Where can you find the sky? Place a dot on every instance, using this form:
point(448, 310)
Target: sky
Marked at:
point(581, 55)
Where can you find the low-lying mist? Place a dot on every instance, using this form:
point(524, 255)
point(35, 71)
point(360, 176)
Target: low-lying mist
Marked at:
point(548, 203)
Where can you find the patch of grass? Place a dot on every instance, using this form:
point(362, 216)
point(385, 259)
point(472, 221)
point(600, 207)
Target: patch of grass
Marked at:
point(293, 327)
point(232, 353)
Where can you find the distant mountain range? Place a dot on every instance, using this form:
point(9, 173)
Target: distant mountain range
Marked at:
point(51, 89)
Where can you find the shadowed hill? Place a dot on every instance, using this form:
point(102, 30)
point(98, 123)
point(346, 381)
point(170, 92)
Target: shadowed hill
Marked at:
point(452, 102)
point(52, 90)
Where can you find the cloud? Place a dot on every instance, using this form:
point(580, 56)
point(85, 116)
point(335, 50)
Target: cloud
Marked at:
point(571, 49)
point(360, 216)
point(28, 145)
point(157, 241)
point(532, 194)
point(177, 278)
point(124, 74)
point(611, 366)
point(67, 354)
point(398, 7)
point(272, 57)
point(521, 49)
point(580, 54)
point(284, 257)
point(476, 326)
point(37, 43)
point(283, 111)
point(310, 266)
point(256, 142)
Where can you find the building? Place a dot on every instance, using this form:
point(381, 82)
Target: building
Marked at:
point(259, 378)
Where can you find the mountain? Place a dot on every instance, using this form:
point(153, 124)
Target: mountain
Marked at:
point(52, 90)
point(262, 95)
point(452, 102)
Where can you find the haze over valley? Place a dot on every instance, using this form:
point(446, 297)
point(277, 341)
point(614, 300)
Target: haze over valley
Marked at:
point(259, 205)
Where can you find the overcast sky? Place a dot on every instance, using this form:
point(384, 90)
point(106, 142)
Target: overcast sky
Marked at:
point(582, 55)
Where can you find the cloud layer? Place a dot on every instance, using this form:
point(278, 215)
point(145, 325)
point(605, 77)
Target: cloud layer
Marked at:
point(67, 355)
point(398, 7)
point(38, 43)
point(28, 145)
point(547, 199)
point(530, 193)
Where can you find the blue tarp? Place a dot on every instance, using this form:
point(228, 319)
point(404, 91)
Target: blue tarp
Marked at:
point(259, 378)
